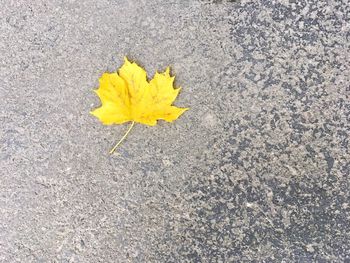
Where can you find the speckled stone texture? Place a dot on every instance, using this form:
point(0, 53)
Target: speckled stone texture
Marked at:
point(256, 171)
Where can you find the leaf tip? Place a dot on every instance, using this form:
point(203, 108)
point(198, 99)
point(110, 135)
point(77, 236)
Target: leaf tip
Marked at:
point(184, 109)
point(93, 113)
point(126, 60)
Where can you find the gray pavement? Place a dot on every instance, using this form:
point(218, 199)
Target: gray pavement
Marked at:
point(256, 171)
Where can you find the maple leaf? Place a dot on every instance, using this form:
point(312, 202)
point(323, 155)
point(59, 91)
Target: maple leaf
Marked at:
point(127, 96)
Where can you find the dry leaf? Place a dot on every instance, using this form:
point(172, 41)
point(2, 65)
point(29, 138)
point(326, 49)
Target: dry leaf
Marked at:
point(128, 96)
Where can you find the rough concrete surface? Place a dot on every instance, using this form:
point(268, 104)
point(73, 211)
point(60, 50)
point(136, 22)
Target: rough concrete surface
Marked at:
point(256, 171)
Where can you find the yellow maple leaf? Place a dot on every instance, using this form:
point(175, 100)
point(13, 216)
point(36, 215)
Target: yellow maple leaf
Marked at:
point(127, 96)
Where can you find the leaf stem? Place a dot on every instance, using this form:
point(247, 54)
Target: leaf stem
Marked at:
point(123, 138)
